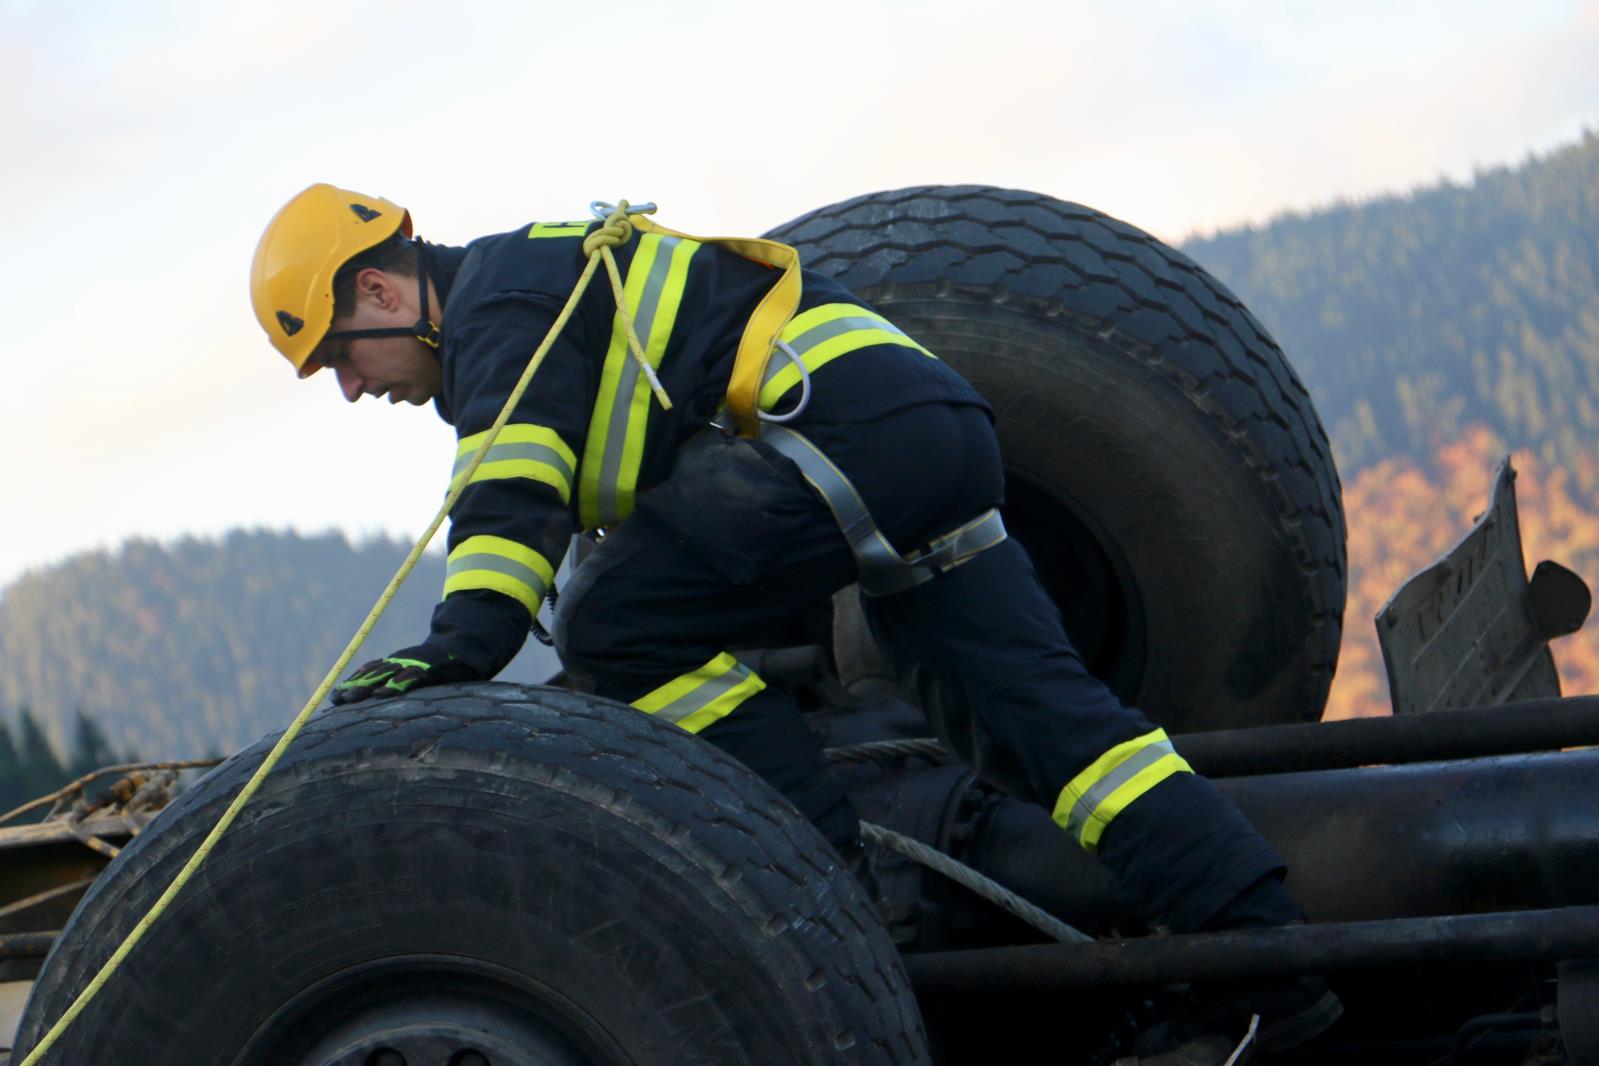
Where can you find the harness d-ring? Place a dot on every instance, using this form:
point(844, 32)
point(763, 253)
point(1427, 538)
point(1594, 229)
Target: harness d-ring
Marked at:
point(805, 388)
point(602, 210)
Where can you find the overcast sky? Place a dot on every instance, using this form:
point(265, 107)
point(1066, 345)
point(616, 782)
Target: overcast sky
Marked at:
point(147, 144)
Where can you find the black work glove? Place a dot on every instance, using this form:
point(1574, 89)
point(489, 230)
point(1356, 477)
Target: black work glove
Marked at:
point(399, 673)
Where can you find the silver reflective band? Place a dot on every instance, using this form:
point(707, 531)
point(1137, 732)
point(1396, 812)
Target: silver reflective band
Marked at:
point(499, 564)
point(1129, 768)
point(538, 453)
point(883, 571)
point(826, 331)
point(609, 505)
point(703, 695)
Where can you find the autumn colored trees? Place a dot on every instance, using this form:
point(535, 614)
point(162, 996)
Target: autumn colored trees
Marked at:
point(1403, 516)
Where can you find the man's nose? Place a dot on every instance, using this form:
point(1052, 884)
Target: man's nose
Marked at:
point(349, 383)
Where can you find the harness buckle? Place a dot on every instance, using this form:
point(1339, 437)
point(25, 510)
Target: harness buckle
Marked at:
point(950, 550)
point(882, 571)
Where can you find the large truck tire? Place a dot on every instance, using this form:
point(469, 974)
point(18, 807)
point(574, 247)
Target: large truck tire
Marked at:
point(1166, 469)
point(496, 874)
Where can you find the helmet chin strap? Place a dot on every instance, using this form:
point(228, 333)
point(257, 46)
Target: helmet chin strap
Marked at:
point(426, 330)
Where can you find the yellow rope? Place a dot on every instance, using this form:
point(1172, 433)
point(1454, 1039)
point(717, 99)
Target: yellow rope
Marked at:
point(616, 231)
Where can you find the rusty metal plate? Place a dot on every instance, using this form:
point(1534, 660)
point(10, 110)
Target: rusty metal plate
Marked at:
point(1462, 633)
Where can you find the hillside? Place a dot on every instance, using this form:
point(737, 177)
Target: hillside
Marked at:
point(1413, 317)
point(198, 646)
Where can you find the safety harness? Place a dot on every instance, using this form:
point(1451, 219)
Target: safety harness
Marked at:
point(883, 570)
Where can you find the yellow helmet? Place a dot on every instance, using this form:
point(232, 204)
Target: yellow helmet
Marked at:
point(305, 244)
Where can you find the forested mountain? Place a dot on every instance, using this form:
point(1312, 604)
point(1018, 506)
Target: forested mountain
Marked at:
point(30, 767)
point(1412, 317)
point(199, 646)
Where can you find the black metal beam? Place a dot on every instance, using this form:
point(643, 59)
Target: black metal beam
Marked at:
point(1537, 725)
point(1477, 939)
point(26, 945)
point(1517, 832)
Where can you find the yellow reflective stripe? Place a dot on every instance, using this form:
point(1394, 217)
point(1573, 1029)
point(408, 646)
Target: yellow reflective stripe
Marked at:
point(814, 321)
point(617, 358)
point(495, 581)
point(822, 354)
point(822, 334)
point(500, 564)
point(530, 469)
point(1094, 797)
point(1136, 786)
point(518, 433)
point(521, 450)
point(709, 694)
point(821, 315)
point(680, 686)
point(723, 705)
point(660, 324)
point(614, 450)
point(556, 229)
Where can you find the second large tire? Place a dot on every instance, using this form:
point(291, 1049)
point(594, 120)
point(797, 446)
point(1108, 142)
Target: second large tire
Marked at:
point(488, 873)
point(1166, 469)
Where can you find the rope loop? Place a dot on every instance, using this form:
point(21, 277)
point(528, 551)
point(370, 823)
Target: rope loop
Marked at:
point(617, 231)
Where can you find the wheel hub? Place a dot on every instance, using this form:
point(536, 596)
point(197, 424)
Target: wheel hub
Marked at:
point(442, 1033)
point(429, 1011)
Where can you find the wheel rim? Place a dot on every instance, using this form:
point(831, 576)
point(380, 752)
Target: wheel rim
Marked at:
point(430, 1011)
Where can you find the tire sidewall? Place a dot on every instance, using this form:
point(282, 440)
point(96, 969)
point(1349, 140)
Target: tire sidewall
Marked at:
point(1220, 617)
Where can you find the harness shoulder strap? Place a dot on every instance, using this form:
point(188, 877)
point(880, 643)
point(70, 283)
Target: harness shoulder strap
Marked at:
point(764, 326)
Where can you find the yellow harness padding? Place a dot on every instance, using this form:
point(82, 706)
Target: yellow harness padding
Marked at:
point(764, 326)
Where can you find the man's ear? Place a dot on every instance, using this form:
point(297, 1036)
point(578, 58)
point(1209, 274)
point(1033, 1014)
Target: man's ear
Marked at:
point(373, 284)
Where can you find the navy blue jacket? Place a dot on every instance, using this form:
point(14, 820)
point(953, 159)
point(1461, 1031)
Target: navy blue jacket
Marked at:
point(588, 434)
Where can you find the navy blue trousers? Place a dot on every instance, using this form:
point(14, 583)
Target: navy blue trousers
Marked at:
point(735, 543)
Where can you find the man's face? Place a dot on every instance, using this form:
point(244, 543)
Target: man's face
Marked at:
point(401, 368)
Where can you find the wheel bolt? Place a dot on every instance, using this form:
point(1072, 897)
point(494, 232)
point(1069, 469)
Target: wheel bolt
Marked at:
point(385, 1057)
point(468, 1058)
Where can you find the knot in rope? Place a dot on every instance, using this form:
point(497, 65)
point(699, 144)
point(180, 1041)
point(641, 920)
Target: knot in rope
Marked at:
point(616, 231)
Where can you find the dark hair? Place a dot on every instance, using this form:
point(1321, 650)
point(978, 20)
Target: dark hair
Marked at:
point(394, 255)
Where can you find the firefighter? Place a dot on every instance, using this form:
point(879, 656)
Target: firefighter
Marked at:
point(713, 537)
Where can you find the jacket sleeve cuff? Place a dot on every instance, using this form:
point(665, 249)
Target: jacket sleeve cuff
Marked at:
point(481, 628)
